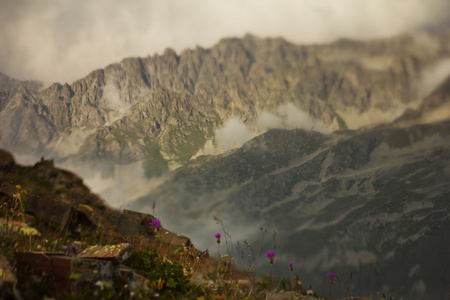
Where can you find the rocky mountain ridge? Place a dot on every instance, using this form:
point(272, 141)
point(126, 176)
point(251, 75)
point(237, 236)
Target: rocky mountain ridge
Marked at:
point(162, 109)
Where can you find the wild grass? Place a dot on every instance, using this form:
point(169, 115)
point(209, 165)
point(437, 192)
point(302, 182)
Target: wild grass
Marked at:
point(183, 273)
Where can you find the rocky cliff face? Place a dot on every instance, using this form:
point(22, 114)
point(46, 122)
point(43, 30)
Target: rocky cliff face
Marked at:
point(163, 108)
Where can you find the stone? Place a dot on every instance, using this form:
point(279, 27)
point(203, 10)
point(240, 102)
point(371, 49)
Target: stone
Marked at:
point(48, 206)
point(65, 274)
point(115, 253)
point(286, 295)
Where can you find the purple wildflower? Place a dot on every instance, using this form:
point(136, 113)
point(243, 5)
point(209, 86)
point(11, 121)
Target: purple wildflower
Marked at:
point(291, 266)
point(270, 255)
point(156, 223)
point(217, 236)
point(332, 277)
point(73, 249)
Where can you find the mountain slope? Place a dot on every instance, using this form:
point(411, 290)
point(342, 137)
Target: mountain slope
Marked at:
point(378, 197)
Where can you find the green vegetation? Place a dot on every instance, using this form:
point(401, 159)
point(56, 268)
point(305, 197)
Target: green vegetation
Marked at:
point(165, 276)
point(186, 140)
point(184, 273)
point(154, 164)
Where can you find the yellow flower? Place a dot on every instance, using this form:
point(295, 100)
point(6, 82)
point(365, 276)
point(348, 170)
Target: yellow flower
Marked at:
point(158, 285)
point(18, 187)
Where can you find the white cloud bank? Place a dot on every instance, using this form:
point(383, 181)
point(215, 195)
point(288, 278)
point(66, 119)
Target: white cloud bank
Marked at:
point(434, 76)
point(288, 116)
point(234, 132)
point(65, 40)
point(116, 107)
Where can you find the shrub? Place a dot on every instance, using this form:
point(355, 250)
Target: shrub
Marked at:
point(165, 276)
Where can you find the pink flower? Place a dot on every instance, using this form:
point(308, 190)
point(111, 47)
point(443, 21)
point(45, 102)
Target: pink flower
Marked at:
point(156, 223)
point(217, 236)
point(270, 255)
point(332, 277)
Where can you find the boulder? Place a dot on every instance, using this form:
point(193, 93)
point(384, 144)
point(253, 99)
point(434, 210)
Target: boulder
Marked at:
point(115, 253)
point(48, 206)
point(96, 266)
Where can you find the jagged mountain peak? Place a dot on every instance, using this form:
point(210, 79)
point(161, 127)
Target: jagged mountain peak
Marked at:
point(177, 101)
point(7, 83)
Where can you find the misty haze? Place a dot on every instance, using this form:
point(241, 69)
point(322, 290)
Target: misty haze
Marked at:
point(316, 129)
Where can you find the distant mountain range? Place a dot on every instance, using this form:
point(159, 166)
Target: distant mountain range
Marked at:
point(162, 109)
point(350, 164)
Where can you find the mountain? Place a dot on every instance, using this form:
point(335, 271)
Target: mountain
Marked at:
point(365, 193)
point(7, 83)
point(162, 109)
point(369, 203)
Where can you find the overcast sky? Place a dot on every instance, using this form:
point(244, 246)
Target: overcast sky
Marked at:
point(57, 40)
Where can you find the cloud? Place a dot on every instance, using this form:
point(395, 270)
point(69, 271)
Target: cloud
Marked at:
point(65, 40)
point(295, 118)
point(124, 184)
point(116, 107)
point(233, 134)
point(288, 116)
point(111, 95)
point(354, 119)
point(434, 76)
point(267, 121)
point(69, 143)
